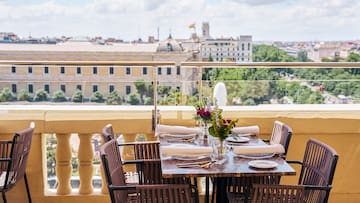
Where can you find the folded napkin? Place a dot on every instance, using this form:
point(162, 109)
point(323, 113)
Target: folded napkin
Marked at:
point(254, 130)
point(259, 149)
point(172, 129)
point(185, 150)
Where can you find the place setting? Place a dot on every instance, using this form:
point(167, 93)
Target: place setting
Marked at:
point(262, 164)
point(236, 139)
point(257, 151)
point(186, 152)
point(179, 138)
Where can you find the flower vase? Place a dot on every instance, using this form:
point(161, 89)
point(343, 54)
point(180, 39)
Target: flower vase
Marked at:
point(206, 131)
point(219, 151)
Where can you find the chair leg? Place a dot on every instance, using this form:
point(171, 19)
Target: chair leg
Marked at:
point(4, 197)
point(27, 188)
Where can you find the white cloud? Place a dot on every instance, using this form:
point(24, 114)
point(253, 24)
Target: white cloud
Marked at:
point(259, 2)
point(131, 19)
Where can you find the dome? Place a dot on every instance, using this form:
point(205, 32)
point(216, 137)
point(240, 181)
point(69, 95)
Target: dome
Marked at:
point(169, 45)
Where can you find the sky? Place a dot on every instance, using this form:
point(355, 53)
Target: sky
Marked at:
point(265, 20)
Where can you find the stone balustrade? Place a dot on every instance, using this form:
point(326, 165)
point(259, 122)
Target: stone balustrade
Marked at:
point(337, 125)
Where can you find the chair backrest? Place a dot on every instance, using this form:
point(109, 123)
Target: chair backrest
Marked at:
point(19, 153)
point(147, 150)
point(172, 193)
point(281, 134)
point(108, 133)
point(113, 169)
point(264, 193)
point(318, 168)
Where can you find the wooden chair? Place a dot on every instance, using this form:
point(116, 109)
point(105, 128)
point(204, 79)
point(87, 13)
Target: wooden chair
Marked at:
point(142, 150)
point(148, 164)
point(13, 160)
point(120, 191)
point(315, 180)
point(278, 194)
point(236, 187)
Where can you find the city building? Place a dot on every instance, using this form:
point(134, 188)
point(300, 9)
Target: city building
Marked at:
point(227, 49)
point(90, 78)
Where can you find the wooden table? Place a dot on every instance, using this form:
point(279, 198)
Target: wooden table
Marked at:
point(233, 167)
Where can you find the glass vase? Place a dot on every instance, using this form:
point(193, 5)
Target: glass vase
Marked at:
point(219, 150)
point(204, 136)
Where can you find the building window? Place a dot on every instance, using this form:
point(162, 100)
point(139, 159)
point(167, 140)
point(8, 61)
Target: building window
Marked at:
point(13, 88)
point(144, 70)
point(248, 46)
point(13, 69)
point(242, 47)
point(168, 70)
point(128, 89)
point(63, 88)
point(178, 70)
point(62, 70)
point(94, 70)
point(159, 70)
point(111, 70)
point(29, 69)
point(111, 88)
point(47, 88)
point(46, 70)
point(79, 87)
point(78, 70)
point(128, 71)
point(30, 88)
point(95, 88)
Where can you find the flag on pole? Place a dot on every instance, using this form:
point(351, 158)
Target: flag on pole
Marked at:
point(192, 26)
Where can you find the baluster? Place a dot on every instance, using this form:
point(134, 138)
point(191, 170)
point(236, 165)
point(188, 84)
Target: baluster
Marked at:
point(104, 189)
point(63, 164)
point(85, 157)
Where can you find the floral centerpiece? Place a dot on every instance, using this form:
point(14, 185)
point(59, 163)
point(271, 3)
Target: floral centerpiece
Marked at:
point(203, 114)
point(220, 128)
point(203, 111)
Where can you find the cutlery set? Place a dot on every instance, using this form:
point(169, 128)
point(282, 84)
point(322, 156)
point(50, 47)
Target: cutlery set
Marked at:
point(199, 164)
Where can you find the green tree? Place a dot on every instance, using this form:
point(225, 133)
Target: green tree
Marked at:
point(164, 90)
point(302, 56)
point(59, 96)
point(77, 96)
point(134, 98)
point(24, 95)
point(267, 53)
point(97, 97)
point(141, 88)
point(210, 59)
point(41, 95)
point(6, 95)
point(148, 101)
point(353, 57)
point(114, 98)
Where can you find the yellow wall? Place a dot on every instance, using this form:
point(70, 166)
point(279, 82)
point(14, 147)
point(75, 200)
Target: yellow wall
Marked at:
point(341, 130)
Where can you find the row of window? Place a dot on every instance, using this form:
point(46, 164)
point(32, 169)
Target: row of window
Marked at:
point(224, 54)
point(223, 59)
point(63, 88)
point(111, 70)
point(228, 49)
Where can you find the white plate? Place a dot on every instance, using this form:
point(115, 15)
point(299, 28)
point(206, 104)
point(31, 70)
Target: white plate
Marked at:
point(243, 134)
point(238, 139)
point(189, 158)
point(177, 136)
point(263, 164)
point(255, 156)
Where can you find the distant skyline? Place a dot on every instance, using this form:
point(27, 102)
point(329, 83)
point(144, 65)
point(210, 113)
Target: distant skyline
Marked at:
point(265, 20)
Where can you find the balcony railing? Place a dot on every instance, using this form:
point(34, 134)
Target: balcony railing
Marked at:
point(337, 125)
